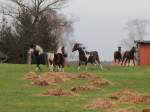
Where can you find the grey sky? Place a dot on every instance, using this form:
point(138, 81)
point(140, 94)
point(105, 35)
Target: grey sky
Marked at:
point(100, 23)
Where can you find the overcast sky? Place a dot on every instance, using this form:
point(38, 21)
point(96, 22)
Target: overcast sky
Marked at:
point(100, 23)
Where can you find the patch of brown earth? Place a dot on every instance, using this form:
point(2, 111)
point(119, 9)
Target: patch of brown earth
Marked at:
point(58, 92)
point(51, 78)
point(102, 104)
point(94, 84)
point(146, 110)
point(86, 75)
point(83, 88)
point(127, 110)
point(31, 76)
point(99, 82)
point(128, 96)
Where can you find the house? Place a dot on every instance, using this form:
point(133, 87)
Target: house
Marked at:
point(143, 52)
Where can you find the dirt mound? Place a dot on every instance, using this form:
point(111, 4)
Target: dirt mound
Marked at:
point(127, 110)
point(86, 75)
point(58, 92)
point(83, 88)
point(146, 110)
point(51, 78)
point(93, 84)
point(31, 76)
point(99, 82)
point(128, 96)
point(102, 104)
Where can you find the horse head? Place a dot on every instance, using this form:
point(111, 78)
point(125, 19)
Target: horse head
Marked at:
point(33, 46)
point(133, 49)
point(76, 46)
point(30, 51)
point(61, 50)
point(119, 49)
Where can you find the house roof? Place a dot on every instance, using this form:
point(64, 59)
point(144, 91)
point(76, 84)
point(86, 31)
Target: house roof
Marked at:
point(142, 42)
point(3, 56)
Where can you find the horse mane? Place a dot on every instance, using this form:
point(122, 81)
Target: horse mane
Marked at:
point(39, 49)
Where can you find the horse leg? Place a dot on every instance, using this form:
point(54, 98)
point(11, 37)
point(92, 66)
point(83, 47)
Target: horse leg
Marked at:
point(122, 61)
point(128, 62)
point(134, 62)
point(79, 65)
point(54, 68)
point(62, 66)
point(115, 60)
point(99, 63)
point(38, 63)
point(51, 67)
point(59, 68)
point(38, 67)
point(125, 62)
point(86, 66)
point(119, 61)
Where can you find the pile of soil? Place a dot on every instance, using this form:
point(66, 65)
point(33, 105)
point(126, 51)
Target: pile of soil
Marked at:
point(51, 78)
point(31, 76)
point(58, 92)
point(127, 110)
point(86, 75)
point(102, 104)
point(132, 97)
point(93, 84)
point(83, 88)
point(99, 82)
point(146, 110)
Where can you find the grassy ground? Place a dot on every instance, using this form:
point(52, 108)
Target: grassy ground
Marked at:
point(17, 96)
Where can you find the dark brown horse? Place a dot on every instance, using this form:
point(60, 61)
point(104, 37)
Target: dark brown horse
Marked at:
point(59, 59)
point(86, 57)
point(118, 55)
point(128, 56)
point(36, 53)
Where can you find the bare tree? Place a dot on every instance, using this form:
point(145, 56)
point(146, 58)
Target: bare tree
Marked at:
point(137, 30)
point(35, 7)
point(38, 21)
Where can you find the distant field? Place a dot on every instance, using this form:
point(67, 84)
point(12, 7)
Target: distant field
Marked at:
point(16, 95)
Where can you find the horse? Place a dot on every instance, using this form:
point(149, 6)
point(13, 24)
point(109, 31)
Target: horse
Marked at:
point(59, 59)
point(128, 56)
point(51, 59)
point(86, 57)
point(36, 52)
point(118, 55)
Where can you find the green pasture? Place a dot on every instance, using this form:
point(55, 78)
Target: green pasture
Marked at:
point(17, 95)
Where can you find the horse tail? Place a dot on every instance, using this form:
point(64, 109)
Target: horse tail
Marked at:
point(98, 59)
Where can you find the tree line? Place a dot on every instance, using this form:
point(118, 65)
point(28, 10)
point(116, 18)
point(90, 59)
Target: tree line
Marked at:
point(32, 21)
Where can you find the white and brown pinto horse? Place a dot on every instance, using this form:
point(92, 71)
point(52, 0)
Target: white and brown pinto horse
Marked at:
point(86, 57)
point(51, 59)
point(59, 59)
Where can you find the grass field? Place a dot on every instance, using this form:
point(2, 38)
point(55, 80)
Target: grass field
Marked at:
point(16, 96)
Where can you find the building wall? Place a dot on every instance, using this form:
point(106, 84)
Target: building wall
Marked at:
point(144, 54)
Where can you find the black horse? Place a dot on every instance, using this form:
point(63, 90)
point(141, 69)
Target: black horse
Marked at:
point(128, 56)
point(118, 55)
point(36, 53)
point(86, 57)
